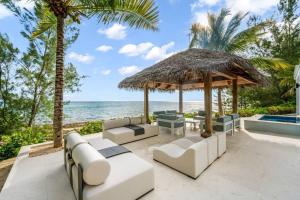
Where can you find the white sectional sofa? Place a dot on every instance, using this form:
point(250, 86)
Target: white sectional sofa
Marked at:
point(191, 155)
point(117, 130)
point(94, 177)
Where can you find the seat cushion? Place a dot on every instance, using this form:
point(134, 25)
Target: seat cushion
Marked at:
point(150, 130)
point(170, 150)
point(125, 135)
point(100, 143)
point(183, 143)
point(194, 139)
point(130, 178)
point(115, 123)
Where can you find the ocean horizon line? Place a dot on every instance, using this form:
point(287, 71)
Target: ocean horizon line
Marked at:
point(128, 101)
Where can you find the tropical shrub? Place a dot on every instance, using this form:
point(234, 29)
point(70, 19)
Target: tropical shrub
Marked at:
point(190, 115)
point(272, 110)
point(11, 144)
point(91, 127)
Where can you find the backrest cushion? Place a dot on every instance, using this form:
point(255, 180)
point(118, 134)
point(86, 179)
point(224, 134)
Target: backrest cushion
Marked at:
point(234, 116)
point(95, 167)
point(171, 112)
point(136, 120)
point(167, 116)
point(115, 123)
point(73, 138)
point(224, 119)
point(159, 112)
point(201, 113)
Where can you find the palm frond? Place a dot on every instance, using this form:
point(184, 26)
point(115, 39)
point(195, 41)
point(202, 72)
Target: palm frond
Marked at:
point(217, 26)
point(232, 27)
point(194, 35)
point(200, 36)
point(136, 13)
point(47, 21)
point(242, 40)
point(266, 64)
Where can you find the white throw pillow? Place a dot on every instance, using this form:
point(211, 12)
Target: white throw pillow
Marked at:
point(94, 166)
point(73, 138)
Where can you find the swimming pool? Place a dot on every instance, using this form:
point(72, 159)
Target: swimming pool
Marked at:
point(276, 118)
point(285, 125)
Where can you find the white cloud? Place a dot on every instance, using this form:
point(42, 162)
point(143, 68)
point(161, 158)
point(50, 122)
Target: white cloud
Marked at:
point(200, 17)
point(253, 6)
point(202, 3)
point(105, 72)
point(104, 48)
point(4, 12)
point(25, 4)
point(135, 50)
point(159, 53)
point(83, 58)
point(129, 70)
point(115, 32)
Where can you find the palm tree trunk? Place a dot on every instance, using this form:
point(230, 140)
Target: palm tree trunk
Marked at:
point(220, 103)
point(59, 84)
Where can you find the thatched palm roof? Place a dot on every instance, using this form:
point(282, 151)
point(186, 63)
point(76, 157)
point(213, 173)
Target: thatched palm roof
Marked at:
point(188, 67)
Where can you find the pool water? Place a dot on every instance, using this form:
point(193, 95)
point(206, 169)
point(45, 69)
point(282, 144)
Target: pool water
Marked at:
point(280, 119)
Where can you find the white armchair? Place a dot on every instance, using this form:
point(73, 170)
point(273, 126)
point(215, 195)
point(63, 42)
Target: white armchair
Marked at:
point(183, 155)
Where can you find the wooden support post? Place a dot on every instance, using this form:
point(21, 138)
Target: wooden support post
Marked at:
point(146, 104)
point(180, 99)
point(208, 105)
point(234, 96)
point(220, 103)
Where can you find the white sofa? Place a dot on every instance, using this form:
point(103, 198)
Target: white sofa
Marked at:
point(94, 177)
point(116, 131)
point(191, 155)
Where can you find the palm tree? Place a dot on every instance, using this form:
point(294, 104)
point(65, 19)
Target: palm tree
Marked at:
point(219, 35)
point(136, 13)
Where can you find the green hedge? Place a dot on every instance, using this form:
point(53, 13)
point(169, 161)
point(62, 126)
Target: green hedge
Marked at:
point(11, 144)
point(273, 110)
point(91, 127)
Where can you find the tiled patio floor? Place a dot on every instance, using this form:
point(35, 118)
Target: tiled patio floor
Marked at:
point(255, 166)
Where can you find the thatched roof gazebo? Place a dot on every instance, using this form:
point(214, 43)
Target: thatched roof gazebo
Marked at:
point(195, 69)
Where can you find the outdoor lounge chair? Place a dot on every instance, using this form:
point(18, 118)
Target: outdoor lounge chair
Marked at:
point(156, 113)
point(200, 115)
point(191, 155)
point(126, 130)
point(220, 124)
point(236, 120)
point(223, 124)
point(171, 121)
point(93, 176)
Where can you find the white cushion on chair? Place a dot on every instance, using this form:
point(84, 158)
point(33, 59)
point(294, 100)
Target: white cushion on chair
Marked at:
point(212, 148)
point(94, 166)
point(73, 138)
point(136, 120)
point(115, 123)
point(130, 178)
point(183, 143)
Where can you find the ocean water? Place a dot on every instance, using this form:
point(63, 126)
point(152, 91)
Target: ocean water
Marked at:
point(98, 110)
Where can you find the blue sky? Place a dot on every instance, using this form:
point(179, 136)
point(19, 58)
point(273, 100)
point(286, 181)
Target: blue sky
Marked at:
point(107, 54)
